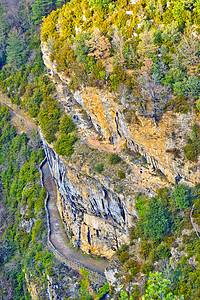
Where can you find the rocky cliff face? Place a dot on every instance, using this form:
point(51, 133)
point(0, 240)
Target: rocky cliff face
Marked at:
point(155, 142)
point(95, 217)
point(62, 284)
point(98, 209)
point(98, 215)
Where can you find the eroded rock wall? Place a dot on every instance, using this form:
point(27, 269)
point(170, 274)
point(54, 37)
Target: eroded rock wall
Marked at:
point(155, 142)
point(96, 219)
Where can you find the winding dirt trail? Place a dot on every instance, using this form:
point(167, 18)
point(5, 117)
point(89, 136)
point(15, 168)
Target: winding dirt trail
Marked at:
point(23, 123)
point(20, 119)
point(58, 237)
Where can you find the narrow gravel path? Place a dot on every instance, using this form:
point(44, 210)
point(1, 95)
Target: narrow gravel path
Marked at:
point(58, 237)
point(19, 118)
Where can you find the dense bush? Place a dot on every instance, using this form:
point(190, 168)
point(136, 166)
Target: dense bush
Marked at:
point(124, 256)
point(66, 125)
point(182, 196)
point(114, 159)
point(192, 149)
point(157, 221)
point(64, 144)
point(99, 167)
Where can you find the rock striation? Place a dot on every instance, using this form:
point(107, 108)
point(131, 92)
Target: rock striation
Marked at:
point(97, 218)
point(113, 119)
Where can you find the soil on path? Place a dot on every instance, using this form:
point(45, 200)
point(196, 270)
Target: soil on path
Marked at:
point(23, 123)
point(58, 237)
point(21, 120)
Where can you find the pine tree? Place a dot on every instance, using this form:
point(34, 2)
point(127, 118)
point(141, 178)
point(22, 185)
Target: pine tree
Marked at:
point(15, 50)
point(41, 8)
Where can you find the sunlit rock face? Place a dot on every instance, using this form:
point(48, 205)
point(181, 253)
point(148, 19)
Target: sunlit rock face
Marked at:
point(95, 218)
point(158, 143)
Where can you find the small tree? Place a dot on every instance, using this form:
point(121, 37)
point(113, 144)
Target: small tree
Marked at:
point(15, 50)
point(64, 144)
point(119, 46)
point(153, 93)
point(156, 220)
point(41, 8)
point(81, 50)
point(146, 45)
point(66, 125)
point(158, 288)
point(192, 86)
point(189, 48)
point(49, 118)
point(182, 196)
point(171, 33)
point(60, 3)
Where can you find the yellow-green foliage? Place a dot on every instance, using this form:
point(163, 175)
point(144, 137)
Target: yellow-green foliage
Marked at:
point(130, 32)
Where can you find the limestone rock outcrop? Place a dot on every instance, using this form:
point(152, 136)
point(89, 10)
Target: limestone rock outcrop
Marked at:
point(97, 218)
point(156, 142)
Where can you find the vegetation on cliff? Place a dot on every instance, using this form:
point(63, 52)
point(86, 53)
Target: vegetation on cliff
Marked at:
point(23, 243)
point(145, 50)
point(25, 261)
point(23, 76)
point(164, 240)
point(148, 53)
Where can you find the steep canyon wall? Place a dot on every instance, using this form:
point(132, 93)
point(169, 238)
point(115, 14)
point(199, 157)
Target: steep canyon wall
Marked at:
point(155, 142)
point(96, 218)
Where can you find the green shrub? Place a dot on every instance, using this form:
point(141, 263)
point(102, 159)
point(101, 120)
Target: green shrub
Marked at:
point(163, 251)
point(159, 287)
point(147, 268)
point(192, 149)
point(121, 174)
point(99, 168)
point(133, 271)
point(157, 222)
point(132, 266)
point(64, 144)
point(198, 104)
point(124, 256)
point(182, 196)
point(140, 205)
point(66, 125)
point(114, 159)
point(103, 290)
point(145, 249)
point(190, 152)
